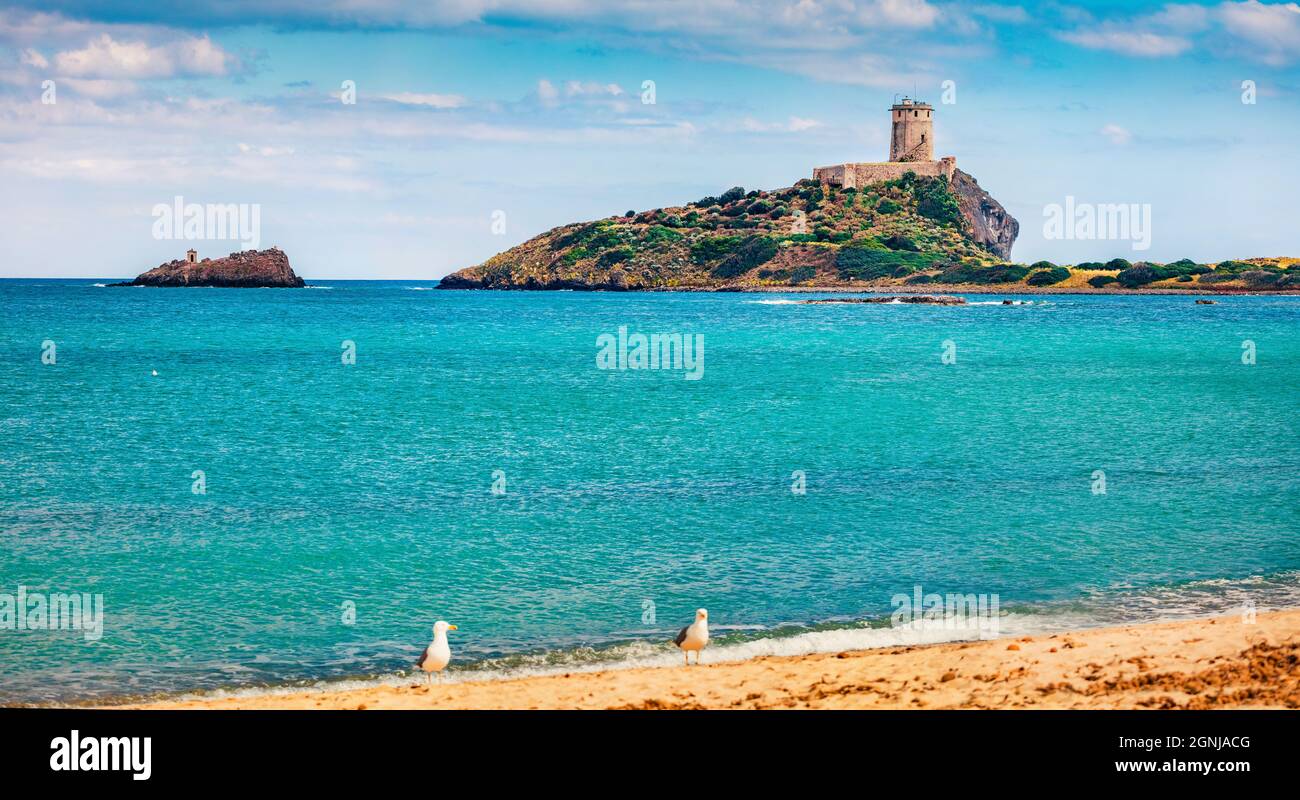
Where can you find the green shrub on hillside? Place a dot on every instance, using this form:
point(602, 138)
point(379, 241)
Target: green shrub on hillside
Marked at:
point(935, 201)
point(731, 195)
point(1048, 277)
point(1261, 279)
point(1217, 277)
point(888, 206)
point(752, 252)
point(658, 234)
point(802, 275)
point(1117, 263)
point(577, 236)
point(1098, 281)
point(615, 256)
point(713, 247)
point(575, 255)
point(1183, 268)
point(865, 263)
point(1233, 267)
point(900, 242)
point(968, 273)
point(1137, 275)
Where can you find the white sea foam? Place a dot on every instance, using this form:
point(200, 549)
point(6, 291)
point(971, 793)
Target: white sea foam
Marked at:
point(633, 655)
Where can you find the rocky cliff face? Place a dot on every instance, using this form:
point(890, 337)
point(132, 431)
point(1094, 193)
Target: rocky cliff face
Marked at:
point(990, 224)
point(245, 269)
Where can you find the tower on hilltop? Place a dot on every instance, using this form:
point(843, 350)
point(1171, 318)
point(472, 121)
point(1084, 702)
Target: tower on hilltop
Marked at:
point(912, 138)
point(911, 149)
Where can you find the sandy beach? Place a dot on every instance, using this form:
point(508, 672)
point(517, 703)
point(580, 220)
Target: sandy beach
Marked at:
point(1223, 662)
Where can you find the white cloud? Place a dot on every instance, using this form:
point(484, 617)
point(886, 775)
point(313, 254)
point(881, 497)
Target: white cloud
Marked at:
point(33, 58)
point(588, 94)
point(266, 152)
point(1181, 18)
point(1273, 29)
point(106, 57)
point(861, 69)
point(430, 100)
point(579, 89)
point(546, 92)
point(1010, 14)
point(903, 13)
point(1132, 43)
point(100, 89)
point(792, 125)
point(1115, 134)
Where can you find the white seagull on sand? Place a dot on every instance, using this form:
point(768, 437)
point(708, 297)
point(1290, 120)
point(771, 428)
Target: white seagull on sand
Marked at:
point(694, 636)
point(438, 653)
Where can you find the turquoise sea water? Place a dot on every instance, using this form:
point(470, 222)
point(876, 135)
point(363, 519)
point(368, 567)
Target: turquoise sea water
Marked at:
point(331, 484)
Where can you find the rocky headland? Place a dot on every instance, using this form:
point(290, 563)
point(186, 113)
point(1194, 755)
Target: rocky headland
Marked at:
point(911, 234)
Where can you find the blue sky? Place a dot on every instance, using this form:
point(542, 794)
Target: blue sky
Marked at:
point(534, 109)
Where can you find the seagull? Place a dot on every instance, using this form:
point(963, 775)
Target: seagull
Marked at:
point(438, 653)
point(694, 636)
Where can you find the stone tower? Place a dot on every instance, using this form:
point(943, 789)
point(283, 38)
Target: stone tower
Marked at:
point(912, 138)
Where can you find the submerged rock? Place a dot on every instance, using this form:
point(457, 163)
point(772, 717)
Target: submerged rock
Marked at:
point(920, 299)
point(245, 269)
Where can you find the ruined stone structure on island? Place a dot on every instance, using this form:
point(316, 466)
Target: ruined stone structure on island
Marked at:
point(911, 148)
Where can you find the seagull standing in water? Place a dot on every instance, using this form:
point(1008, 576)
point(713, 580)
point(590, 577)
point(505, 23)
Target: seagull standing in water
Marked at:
point(694, 636)
point(438, 653)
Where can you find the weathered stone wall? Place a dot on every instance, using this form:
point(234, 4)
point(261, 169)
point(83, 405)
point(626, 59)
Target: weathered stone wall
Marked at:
point(853, 176)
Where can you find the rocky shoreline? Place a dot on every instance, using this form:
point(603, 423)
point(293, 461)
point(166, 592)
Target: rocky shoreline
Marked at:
point(932, 288)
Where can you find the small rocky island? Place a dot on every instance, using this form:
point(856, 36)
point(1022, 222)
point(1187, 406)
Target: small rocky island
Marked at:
point(247, 269)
